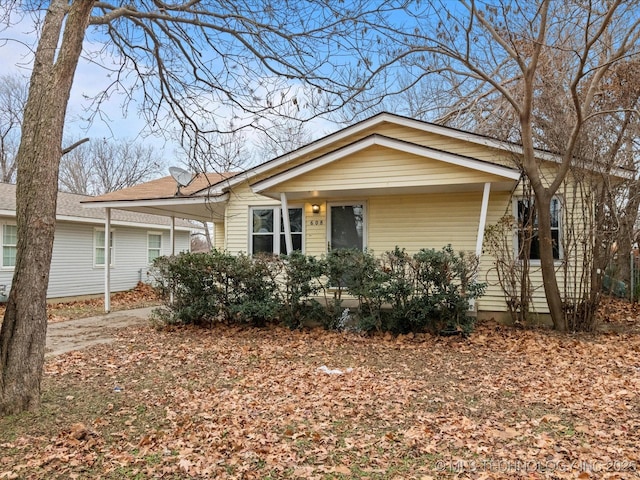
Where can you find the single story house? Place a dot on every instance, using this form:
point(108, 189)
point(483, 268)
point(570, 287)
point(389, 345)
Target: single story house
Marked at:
point(384, 182)
point(78, 262)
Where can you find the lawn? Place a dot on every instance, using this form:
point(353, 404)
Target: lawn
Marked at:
point(248, 403)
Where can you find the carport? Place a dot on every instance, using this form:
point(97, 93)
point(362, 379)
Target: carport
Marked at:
point(203, 199)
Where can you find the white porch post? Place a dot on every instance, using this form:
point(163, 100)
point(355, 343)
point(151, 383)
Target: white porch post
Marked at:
point(172, 236)
point(107, 260)
point(172, 247)
point(483, 218)
point(286, 222)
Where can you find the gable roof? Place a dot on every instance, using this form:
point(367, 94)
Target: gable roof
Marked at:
point(282, 161)
point(391, 143)
point(69, 208)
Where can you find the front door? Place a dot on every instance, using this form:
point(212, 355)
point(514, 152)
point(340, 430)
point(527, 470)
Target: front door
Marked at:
point(346, 226)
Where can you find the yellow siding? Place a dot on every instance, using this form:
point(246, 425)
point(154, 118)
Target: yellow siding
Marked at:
point(573, 222)
point(408, 221)
point(380, 167)
point(423, 221)
point(218, 235)
point(315, 229)
point(418, 137)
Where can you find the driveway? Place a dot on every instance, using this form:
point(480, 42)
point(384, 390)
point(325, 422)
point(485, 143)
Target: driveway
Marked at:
point(71, 335)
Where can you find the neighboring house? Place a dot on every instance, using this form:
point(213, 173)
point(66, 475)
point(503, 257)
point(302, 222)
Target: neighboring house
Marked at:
point(77, 266)
point(384, 182)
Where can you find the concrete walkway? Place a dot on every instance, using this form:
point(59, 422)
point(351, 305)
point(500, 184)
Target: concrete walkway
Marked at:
point(71, 335)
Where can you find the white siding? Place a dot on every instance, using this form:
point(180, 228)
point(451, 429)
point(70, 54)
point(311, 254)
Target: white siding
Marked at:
point(72, 266)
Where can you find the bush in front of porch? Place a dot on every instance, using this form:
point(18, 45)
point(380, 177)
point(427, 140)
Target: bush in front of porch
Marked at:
point(396, 292)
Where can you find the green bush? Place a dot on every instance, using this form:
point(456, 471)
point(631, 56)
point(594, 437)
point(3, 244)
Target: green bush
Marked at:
point(444, 285)
point(300, 282)
point(396, 292)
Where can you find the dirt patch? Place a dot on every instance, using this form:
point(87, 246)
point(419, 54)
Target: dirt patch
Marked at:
point(143, 295)
point(67, 336)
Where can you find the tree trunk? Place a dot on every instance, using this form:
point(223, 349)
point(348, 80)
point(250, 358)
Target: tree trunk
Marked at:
point(23, 333)
point(547, 262)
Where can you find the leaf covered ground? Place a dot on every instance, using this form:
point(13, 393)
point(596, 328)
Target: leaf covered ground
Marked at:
point(247, 403)
point(143, 295)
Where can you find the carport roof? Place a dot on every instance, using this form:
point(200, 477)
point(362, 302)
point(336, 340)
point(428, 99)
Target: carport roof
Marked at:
point(162, 197)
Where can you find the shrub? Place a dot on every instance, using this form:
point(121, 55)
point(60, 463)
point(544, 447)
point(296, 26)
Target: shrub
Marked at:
point(397, 292)
point(301, 281)
point(445, 283)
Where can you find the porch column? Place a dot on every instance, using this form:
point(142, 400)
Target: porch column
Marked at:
point(172, 236)
point(172, 248)
point(483, 218)
point(285, 222)
point(107, 260)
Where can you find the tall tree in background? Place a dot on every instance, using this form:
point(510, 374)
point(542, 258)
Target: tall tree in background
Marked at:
point(504, 48)
point(13, 96)
point(102, 166)
point(191, 62)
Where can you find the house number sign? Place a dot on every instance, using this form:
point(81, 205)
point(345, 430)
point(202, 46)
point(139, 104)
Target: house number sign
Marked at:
point(316, 222)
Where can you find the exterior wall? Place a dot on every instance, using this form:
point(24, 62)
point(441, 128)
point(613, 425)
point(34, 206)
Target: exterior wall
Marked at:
point(73, 271)
point(218, 235)
point(573, 222)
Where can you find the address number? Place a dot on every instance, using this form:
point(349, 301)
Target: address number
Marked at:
point(316, 222)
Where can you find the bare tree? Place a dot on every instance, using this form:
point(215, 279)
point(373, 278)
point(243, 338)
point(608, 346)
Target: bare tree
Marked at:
point(103, 166)
point(191, 61)
point(284, 132)
point(508, 49)
point(13, 96)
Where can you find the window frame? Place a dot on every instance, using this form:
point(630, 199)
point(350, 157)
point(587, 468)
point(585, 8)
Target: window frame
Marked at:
point(516, 234)
point(278, 227)
point(159, 249)
point(112, 243)
point(3, 245)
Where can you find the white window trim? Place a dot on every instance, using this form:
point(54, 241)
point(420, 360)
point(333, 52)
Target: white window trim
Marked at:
point(536, 262)
point(2, 265)
point(277, 215)
point(149, 247)
point(113, 248)
point(365, 223)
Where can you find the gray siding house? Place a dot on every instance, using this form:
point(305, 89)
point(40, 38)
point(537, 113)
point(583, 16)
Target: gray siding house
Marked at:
point(77, 266)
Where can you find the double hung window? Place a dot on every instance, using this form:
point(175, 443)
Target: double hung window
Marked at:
point(267, 230)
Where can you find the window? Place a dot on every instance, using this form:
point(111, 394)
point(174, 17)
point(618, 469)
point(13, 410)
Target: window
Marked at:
point(154, 246)
point(99, 248)
point(346, 226)
point(9, 245)
point(528, 228)
point(266, 222)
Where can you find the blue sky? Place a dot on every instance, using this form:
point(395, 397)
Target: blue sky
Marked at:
point(16, 45)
